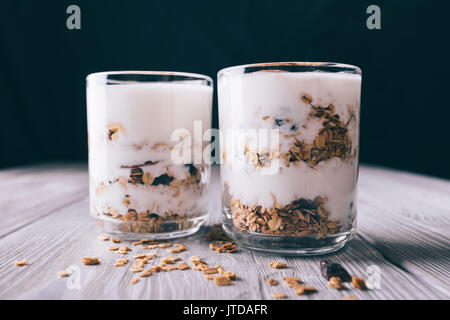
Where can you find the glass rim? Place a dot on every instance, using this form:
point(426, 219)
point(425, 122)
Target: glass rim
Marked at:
point(285, 66)
point(185, 76)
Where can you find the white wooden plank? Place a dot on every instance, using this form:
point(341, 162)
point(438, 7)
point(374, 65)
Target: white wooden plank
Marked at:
point(33, 192)
point(412, 256)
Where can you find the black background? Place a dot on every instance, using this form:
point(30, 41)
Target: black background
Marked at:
point(43, 65)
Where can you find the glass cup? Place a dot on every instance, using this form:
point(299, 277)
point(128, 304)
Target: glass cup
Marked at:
point(289, 141)
point(139, 122)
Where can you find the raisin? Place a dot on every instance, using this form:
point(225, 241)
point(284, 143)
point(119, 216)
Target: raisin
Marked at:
point(163, 179)
point(279, 122)
point(192, 169)
point(136, 175)
point(331, 269)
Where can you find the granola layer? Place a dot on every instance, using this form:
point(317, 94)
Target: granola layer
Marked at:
point(301, 217)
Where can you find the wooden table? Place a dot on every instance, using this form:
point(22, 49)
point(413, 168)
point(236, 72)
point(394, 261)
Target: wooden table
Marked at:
point(403, 232)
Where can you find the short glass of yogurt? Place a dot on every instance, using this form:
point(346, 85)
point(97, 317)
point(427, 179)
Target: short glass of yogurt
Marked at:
point(289, 152)
point(144, 179)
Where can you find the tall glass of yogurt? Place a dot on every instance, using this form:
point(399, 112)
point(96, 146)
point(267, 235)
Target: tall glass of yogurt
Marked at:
point(289, 146)
point(138, 188)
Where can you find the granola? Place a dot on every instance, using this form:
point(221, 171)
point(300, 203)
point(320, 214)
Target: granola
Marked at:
point(124, 250)
point(301, 217)
point(62, 274)
point(292, 282)
point(21, 263)
point(156, 216)
point(183, 266)
point(333, 139)
point(145, 273)
point(90, 260)
point(335, 283)
point(277, 265)
point(301, 290)
point(349, 298)
point(179, 247)
point(222, 281)
point(278, 295)
point(359, 283)
point(272, 282)
point(121, 262)
point(220, 246)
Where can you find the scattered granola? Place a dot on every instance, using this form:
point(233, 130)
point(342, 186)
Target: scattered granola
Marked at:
point(183, 266)
point(121, 262)
point(169, 260)
point(90, 260)
point(292, 282)
point(155, 268)
point(166, 268)
point(134, 281)
point(151, 246)
point(164, 245)
point(21, 263)
point(222, 281)
point(277, 265)
point(145, 257)
point(209, 277)
point(124, 250)
point(62, 274)
point(349, 298)
point(335, 283)
point(220, 246)
point(178, 248)
point(272, 282)
point(301, 290)
point(278, 295)
point(359, 283)
point(210, 270)
point(116, 240)
point(145, 273)
point(137, 266)
point(112, 248)
point(145, 241)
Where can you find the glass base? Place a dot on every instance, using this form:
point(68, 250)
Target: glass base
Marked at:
point(169, 229)
point(288, 245)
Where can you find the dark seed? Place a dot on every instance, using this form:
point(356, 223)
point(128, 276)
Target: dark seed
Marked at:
point(192, 169)
point(279, 122)
point(331, 269)
point(163, 179)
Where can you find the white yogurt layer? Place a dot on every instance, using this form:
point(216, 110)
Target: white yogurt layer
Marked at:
point(256, 101)
point(144, 115)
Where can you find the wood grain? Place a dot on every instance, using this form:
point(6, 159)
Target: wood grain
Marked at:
point(403, 228)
